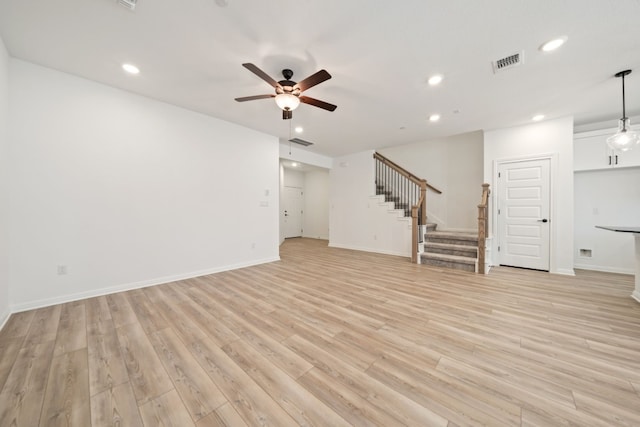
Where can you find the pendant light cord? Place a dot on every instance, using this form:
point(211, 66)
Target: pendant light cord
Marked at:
point(290, 120)
point(624, 113)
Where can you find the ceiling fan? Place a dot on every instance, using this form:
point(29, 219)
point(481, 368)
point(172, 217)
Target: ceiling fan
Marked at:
point(289, 93)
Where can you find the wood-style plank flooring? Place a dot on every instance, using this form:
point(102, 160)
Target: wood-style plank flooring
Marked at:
point(332, 337)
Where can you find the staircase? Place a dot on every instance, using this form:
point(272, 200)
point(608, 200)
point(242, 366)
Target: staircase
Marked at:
point(397, 203)
point(407, 193)
point(454, 250)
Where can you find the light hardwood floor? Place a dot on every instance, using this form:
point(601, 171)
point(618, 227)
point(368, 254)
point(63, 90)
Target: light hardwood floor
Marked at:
point(332, 337)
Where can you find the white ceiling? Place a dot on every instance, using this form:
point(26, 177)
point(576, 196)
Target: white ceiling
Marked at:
point(379, 52)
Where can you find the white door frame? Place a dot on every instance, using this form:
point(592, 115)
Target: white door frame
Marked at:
point(553, 232)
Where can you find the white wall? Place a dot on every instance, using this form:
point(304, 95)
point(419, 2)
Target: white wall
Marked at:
point(125, 191)
point(293, 178)
point(606, 197)
point(4, 188)
point(315, 221)
point(296, 153)
point(351, 182)
point(357, 218)
point(454, 166)
point(555, 138)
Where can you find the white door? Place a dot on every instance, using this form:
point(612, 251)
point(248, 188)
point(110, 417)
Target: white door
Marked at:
point(523, 214)
point(292, 212)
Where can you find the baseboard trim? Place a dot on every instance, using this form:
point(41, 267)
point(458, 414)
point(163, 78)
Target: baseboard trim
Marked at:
point(4, 318)
point(365, 249)
point(636, 295)
point(564, 272)
point(134, 285)
point(604, 269)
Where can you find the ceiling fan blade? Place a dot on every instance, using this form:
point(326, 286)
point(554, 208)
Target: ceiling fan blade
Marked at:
point(251, 98)
point(318, 103)
point(264, 76)
point(313, 80)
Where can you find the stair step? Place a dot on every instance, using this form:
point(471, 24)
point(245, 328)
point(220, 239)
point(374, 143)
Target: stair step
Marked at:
point(466, 239)
point(431, 227)
point(451, 249)
point(449, 261)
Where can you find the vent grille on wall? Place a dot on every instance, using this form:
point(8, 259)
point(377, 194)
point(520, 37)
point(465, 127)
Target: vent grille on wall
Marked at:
point(508, 62)
point(301, 142)
point(129, 4)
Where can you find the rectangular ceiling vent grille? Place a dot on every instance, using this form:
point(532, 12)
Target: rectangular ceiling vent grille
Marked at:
point(301, 142)
point(508, 62)
point(129, 4)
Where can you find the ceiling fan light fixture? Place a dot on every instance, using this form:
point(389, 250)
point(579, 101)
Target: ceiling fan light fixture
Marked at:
point(625, 139)
point(287, 101)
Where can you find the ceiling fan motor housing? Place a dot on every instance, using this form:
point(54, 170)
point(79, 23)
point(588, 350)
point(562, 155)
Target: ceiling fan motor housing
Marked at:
point(286, 85)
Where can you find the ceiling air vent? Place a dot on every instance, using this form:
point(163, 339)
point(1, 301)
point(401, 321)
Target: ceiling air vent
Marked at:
point(129, 4)
point(508, 62)
point(301, 142)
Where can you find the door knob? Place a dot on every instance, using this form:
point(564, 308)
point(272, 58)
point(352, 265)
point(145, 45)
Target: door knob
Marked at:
point(543, 220)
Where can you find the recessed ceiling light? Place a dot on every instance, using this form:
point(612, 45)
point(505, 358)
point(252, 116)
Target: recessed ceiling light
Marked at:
point(434, 117)
point(294, 164)
point(299, 129)
point(553, 44)
point(537, 117)
point(435, 79)
point(131, 69)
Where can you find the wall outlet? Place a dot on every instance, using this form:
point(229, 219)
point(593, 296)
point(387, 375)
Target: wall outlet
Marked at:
point(62, 270)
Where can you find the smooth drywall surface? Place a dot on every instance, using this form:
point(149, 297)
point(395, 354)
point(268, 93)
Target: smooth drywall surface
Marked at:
point(358, 219)
point(606, 197)
point(111, 190)
point(296, 153)
point(351, 182)
point(4, 188)
point(454, 166)
point(553, 138)
point(315, 221)
point(293, 178)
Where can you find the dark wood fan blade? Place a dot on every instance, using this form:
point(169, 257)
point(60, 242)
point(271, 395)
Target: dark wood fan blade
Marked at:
point(313, 80)
point(251, 98)
point(318, 103)
point(258, 72)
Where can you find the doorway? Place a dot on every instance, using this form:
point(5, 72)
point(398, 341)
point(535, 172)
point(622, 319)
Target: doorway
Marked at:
point(292, 203)
point(523, 215)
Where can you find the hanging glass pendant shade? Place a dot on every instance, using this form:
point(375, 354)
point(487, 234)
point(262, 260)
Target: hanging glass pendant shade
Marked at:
point(625, 139)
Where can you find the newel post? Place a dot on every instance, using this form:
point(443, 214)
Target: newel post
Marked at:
point(483, 225)
point(414, 234)
point(423, 196)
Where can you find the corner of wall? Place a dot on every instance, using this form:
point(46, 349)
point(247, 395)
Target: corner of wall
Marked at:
point(5, 292)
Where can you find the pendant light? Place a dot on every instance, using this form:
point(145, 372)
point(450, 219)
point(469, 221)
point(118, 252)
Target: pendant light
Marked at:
point(625, 139)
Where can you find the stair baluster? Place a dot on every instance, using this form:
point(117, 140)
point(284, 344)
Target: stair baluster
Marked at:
point(408, 192)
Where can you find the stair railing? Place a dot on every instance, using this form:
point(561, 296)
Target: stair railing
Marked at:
point(483, 227)
point(408, 192)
